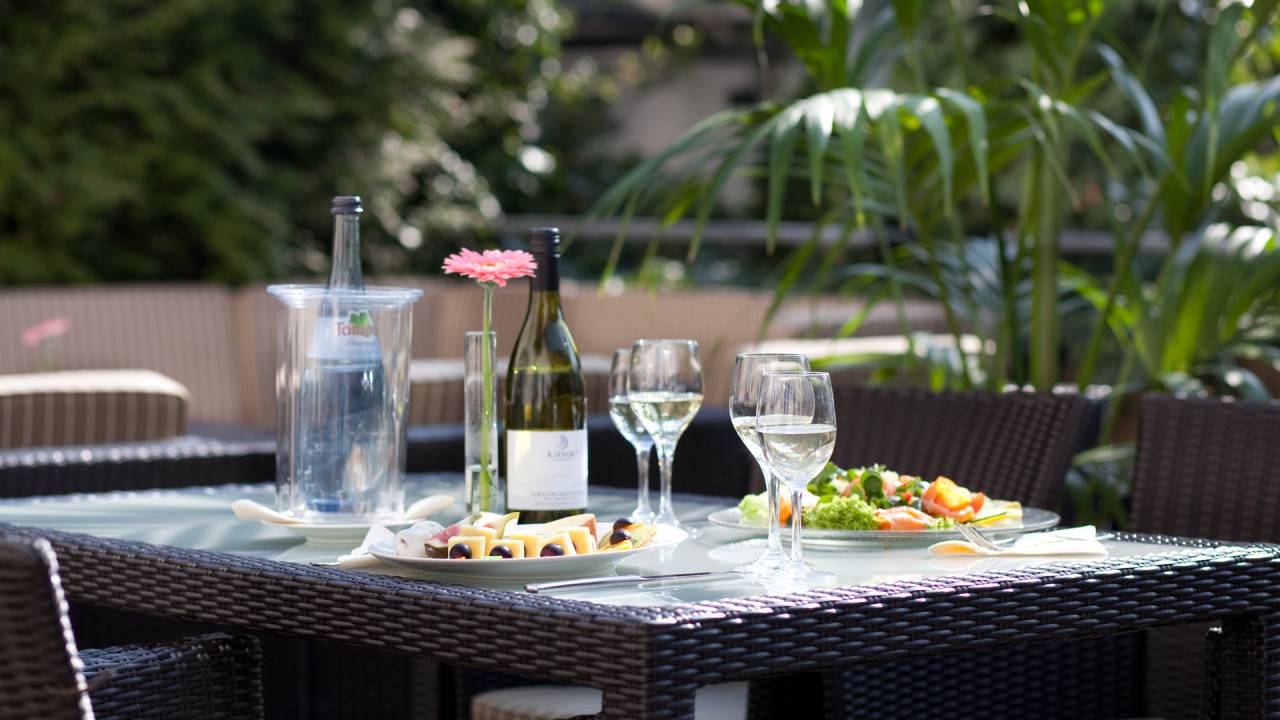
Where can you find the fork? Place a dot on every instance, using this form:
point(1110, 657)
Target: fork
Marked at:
point(975, 536)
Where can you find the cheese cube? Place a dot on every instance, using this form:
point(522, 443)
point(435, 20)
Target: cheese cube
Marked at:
point(475, 543)
point(532, 542)
point(515, 546)
point(583, 543)
point(559, 539)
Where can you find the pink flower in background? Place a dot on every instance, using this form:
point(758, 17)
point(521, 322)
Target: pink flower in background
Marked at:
point(41, 332)
point(491, 266)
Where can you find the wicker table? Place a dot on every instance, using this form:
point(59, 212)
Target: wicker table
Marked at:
point(655, 646)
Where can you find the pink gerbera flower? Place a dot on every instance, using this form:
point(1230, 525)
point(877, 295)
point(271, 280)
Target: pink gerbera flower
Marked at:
point(52, 328)
point(491, 266)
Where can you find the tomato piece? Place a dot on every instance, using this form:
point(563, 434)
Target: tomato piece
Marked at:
point(945, 492)
point(979, 500)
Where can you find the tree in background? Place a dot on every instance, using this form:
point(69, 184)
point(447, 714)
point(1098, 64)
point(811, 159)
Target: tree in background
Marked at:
point(202, 140)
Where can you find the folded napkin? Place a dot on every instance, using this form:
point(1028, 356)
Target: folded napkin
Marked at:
point(251, 510)
point(1069, 541)
point(360, 557)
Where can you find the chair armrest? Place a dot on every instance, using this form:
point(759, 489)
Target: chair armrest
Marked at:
point(135, 466)
point(199, 678)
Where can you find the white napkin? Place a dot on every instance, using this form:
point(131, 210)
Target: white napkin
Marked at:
point(1069, 541)
point(360, 557)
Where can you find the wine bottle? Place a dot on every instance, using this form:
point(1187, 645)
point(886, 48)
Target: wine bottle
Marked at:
point(343, 449)
point(546, 402)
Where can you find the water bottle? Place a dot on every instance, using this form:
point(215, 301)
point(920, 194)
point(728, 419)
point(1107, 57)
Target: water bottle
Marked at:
point(344, 436)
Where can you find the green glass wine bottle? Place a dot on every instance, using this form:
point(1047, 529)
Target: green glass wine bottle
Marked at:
point(546, 402)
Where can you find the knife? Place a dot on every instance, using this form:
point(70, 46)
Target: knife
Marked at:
point(626, 579)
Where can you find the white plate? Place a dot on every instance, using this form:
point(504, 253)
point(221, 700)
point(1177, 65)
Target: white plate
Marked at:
point(335, 534)
point(1033, 519)
point(530, 568)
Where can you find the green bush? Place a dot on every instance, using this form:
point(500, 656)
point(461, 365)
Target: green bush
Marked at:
point(202, 139)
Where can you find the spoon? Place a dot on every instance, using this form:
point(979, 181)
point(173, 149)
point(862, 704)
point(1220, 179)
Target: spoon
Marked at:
point(253, 511)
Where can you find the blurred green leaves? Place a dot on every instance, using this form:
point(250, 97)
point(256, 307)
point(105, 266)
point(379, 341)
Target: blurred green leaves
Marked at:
point(193, 139)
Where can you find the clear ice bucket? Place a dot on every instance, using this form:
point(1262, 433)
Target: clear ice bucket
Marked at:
point(342, 387)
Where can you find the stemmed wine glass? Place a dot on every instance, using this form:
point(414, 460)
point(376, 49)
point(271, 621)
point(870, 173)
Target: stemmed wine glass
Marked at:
point(664, 387)
point(796, 419)
point(624, 418)
point(744, 396)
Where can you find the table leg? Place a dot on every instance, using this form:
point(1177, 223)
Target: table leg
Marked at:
point(1248, 666)
point(660, 701)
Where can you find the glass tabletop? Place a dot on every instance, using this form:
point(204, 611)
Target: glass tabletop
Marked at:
point(201, 519)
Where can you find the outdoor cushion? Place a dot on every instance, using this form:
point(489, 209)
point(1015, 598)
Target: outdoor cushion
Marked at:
point(552, 702)
point(184, 331)
point(90, 406)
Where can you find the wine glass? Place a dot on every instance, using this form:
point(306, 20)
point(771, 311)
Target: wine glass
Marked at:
point(796, 419)
point(664, 388)
point(624, 418)
point(744, 396)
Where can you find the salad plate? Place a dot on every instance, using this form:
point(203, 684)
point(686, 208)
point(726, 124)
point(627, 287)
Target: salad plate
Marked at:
point(538, 568)
point(1033, 520)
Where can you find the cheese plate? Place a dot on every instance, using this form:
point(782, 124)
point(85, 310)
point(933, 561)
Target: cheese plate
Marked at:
point(535, 568)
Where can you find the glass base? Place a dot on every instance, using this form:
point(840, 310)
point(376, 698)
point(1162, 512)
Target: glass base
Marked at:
point(770, 562)
point(666, 518)
point(794, 578)
point(641, 516)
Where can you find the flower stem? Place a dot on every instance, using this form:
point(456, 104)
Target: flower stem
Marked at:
point(486, 402)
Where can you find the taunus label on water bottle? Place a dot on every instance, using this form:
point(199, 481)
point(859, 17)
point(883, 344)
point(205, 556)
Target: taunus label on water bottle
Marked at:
point(547, 469)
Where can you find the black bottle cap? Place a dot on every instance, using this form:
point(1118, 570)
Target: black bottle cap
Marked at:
point(545, 244)
point(544, 239)
point(346, 205)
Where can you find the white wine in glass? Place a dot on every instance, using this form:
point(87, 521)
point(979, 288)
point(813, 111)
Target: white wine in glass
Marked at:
point(664, 388)
point(629, 426)
point(797, 424)
point(744, 395)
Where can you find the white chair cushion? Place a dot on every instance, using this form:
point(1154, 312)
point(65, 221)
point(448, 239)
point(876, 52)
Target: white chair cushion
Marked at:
point(551, 702)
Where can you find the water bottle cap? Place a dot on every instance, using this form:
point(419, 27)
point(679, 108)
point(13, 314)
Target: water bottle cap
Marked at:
point(346, 205)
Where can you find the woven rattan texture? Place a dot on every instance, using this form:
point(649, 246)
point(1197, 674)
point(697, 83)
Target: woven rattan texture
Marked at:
point(1035, 681)
point(214, 677)
point(100, 468)
point(671, 651)
point(1015, 445)
point(40, 675)
point(1205, 468)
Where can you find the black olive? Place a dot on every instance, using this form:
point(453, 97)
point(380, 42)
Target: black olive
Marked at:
point(460, 552)
point(621, 523)
point(501, 551)
point(551, 550)
point(618, 536)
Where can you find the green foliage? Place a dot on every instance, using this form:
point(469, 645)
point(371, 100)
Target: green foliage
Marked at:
point(1214, 304)
point(192, 139)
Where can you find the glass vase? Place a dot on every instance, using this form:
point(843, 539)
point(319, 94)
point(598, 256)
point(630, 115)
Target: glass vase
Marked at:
point(483, 486)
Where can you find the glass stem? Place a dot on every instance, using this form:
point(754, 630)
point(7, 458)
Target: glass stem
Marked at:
point(642, 469)
point(797, 496)
point(775, 518)
point(666, 456)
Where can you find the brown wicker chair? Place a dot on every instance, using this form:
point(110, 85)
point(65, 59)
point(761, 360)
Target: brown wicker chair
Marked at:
point(1016, 446)
point(1204, 468)
point(42, 675)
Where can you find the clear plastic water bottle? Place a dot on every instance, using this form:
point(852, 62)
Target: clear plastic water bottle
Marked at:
point(343, 441)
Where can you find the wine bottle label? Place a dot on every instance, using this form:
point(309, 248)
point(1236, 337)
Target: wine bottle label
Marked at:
point(546, 469)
